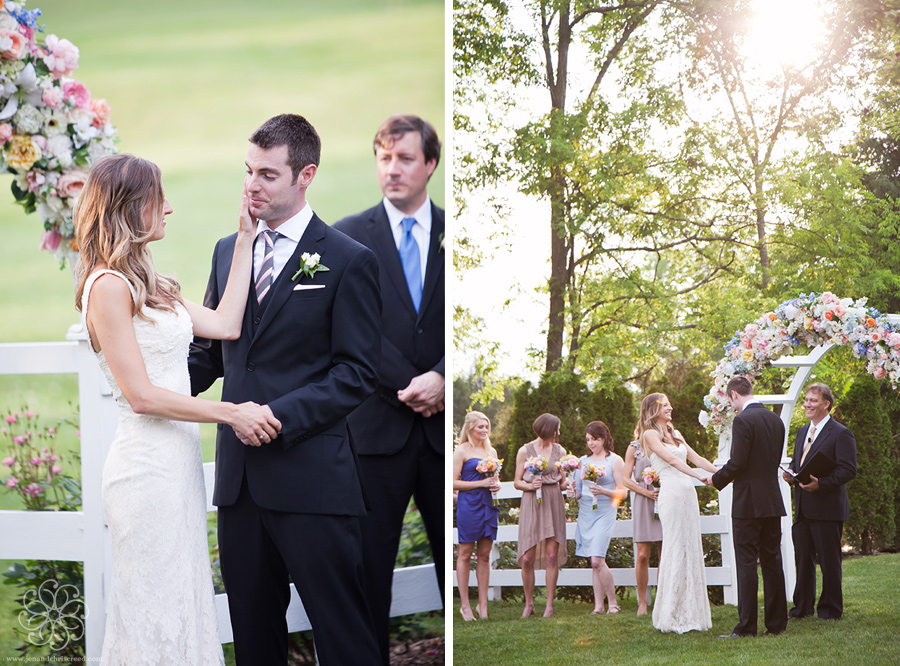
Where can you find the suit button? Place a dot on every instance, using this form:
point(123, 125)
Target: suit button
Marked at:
point(251, 367)
point(420, 331)
point(257, 320)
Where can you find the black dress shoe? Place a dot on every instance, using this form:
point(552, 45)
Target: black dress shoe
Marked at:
point(772, 633)
point(797, 615)
point(735, 635)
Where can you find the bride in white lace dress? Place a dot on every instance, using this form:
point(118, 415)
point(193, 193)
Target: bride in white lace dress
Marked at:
point(681, 602)
point(161, 607)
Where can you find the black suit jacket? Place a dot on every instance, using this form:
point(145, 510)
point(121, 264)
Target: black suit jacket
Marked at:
point(829, 502)
point(312, 356)
point(757, 438)
point(411, 343)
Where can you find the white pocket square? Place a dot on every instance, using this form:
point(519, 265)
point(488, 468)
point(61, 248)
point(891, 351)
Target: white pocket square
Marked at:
point(301, 287)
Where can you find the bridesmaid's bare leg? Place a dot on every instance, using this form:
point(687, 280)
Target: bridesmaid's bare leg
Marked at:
point(552, 551)
point(528, 580)
point(598, 587)
point(642, 574)
point(483, 575)
point(463, 558)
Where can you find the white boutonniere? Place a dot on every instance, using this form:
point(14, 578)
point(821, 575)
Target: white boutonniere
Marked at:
point(309, 265)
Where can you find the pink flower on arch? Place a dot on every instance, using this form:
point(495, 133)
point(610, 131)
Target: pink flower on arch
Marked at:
point(71, 183)
point(50, 240)
point(13, 45)
point(9, 461)
point(52, 97)
point(12, 482)
point(56, 469)
point(101, 112)
point(76, 93)
point(62, 56)
point(879, 372)
point(6, 132)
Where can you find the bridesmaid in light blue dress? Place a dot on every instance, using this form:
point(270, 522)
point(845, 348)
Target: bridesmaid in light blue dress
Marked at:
point(595, 524)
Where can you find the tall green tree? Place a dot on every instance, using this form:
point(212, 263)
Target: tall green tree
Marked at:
point(873, 514)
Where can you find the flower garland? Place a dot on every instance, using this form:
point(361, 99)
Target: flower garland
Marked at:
point(51, 129)
point(811, 320)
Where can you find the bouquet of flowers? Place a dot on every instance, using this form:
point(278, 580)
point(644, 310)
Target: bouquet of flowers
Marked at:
point(490, 467)
point(651, 478)
point(536, 465)
point(568, 463)
point(591, 473)
point(51, 129)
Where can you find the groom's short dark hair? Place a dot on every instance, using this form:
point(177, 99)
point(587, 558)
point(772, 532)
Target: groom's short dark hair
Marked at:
point(295, 132)
point(740, 385)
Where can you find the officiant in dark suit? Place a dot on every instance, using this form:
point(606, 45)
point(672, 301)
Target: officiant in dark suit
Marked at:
point(399, 431)
point(757, 440)
point(309, 349)
point(821, 505)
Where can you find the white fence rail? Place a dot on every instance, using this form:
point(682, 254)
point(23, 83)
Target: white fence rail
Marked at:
point(82, 535)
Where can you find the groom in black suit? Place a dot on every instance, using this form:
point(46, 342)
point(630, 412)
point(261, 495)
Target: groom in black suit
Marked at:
point(309, 349)
point(400, 430)
point(821, 506)
point(757, 440)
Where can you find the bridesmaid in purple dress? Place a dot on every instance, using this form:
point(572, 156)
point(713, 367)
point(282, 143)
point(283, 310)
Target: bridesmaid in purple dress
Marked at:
point(476, 515)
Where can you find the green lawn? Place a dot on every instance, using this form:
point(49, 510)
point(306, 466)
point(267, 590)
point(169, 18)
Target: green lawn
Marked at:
point(187, 83)
point(866, 635)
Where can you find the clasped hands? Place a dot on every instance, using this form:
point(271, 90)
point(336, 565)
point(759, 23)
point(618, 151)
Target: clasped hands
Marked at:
point(255, 424)
point(425, 394)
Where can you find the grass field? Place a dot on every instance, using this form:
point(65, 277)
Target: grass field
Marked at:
point(867, 635)
point(187, 83)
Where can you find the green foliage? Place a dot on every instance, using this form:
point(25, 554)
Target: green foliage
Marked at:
point(567, 396)
point(37, 479)
point(873, 512)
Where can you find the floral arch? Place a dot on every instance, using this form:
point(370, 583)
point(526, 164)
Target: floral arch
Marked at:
point(51, 129)
point(810, 319)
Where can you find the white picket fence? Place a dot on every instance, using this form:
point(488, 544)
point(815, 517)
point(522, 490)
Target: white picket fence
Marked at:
point(82, 535)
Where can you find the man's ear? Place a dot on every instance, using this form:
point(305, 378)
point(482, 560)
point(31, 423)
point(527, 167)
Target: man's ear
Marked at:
point(307, 174)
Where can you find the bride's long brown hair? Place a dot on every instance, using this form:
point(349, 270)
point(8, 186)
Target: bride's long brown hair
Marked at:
point(111, 229)
point(651, 406)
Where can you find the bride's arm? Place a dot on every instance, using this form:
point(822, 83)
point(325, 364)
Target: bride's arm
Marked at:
point(224, 323)
point(657, 447)
point(700, 461)
point(109, 320)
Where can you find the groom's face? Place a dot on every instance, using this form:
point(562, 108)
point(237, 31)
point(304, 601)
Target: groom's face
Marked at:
point(275, 196)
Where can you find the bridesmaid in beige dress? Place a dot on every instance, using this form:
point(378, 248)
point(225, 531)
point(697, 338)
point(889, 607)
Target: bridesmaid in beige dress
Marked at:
point(542, 525)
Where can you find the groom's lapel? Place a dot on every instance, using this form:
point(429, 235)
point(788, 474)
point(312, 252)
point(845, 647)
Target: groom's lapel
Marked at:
point(281, 289)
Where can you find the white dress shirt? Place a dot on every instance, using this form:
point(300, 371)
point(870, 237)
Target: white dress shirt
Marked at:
point(421, 230)
point(291, 230)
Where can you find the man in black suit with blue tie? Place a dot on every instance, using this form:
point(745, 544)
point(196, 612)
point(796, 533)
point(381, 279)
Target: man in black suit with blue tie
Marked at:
point(821, 506)
point(309, 349)
point(757, 440)
point(399, 431)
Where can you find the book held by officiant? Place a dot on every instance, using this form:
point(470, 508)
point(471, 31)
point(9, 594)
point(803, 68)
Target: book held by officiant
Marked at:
point(818, 465)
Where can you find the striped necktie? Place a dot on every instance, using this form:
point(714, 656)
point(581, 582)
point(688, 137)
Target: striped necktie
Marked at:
point(409, 257)
point(267, 267)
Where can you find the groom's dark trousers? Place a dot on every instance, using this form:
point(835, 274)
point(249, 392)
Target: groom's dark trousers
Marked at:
point(291, 508)
point(756, 444)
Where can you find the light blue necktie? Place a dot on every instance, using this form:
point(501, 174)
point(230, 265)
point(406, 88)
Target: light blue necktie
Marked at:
point(409, 257)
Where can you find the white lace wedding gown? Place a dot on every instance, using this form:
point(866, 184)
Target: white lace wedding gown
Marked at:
point(161, 609)
point(681, 601)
